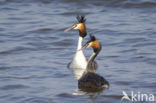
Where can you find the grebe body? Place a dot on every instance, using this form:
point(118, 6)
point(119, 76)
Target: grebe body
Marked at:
point(92, 81)
point(79, 60)
point(89, 79)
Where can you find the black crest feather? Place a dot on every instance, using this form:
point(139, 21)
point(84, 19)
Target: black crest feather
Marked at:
point(92, 38)
point(81, 19)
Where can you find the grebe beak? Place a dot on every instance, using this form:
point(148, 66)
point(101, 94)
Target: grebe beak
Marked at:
point(70, 28)
point(85, 46)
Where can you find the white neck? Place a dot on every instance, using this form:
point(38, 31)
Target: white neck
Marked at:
point(79, 46)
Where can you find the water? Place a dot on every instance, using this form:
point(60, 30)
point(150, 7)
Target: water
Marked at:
point(34, 50)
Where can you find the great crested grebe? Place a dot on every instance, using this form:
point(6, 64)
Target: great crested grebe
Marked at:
point(90, 80)
point(79, 60)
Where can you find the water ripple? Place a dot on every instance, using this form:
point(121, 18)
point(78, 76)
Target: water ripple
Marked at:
point(146, 4)
point(14, 86)
point(65, 95)
point(16, 50)
point(37, 100)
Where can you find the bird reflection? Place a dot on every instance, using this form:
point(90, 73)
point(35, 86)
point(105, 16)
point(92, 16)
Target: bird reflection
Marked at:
point(92, 95)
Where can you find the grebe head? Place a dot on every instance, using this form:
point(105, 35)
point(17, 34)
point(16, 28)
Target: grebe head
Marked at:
point(79, 26)
point(95, 44)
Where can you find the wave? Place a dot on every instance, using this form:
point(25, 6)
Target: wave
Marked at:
point(105, 3)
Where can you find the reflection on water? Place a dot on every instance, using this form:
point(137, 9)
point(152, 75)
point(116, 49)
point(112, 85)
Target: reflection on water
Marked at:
point(92, 96)
point(34, 50)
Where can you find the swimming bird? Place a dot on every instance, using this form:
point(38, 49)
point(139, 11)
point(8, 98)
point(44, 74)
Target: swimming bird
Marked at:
point(79, 60)
point(90, 80)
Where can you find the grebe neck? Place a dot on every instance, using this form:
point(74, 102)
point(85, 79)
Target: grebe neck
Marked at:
point(82, 33)
point(79, 46)
point(90, 65)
